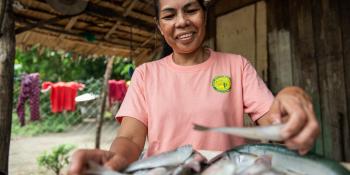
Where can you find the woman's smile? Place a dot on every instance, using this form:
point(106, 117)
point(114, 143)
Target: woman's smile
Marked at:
point(185, 38)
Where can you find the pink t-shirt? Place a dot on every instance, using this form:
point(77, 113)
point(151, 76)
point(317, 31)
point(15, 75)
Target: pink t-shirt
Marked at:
point(169, 98)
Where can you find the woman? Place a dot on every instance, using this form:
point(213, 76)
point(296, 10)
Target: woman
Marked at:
point(197, 85)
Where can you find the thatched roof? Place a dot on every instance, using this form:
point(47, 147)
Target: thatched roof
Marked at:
point(106, 27)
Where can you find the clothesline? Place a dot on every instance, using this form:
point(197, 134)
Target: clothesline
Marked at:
point(62, 95)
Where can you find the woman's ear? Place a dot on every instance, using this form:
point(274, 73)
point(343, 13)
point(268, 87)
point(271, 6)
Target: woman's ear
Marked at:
point(158, 26)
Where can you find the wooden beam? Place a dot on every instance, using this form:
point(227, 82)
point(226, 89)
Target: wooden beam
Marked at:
point(41, 23)
point(119, 10)
point(142, 45)
point(82, 26)
point(109, 33)
point(38, 5)
point(126, 3)
point(126, 12)
point(56, 30)
point(111, 15)
point(147, 41)
point(129, 8)
point(71, 23)
point(107, 12)
point(54, 42)
point(7, 59)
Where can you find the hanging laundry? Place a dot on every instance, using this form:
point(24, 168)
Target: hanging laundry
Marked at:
point(63, 95)
point(117, 91)
point(30, 89)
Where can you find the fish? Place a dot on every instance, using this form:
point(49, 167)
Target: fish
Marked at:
point(192, 165)
point(261, 164)
point(286, 161)
point(271, 132)
point(158, 171)
point(223, 167)
point(242, 160)
point(167, 159)
point(96, 169)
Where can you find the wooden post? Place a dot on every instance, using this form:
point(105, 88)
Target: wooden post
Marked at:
point(7, 55)
point(305, 73)
point(345, 16)
point(328, 44)
point(103, 97)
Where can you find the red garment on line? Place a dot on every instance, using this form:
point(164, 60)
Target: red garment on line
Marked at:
point(117, 91)
point(63, 95)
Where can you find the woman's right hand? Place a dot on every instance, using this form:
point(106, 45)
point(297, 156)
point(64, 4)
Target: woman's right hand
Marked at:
point(81, 158)
point(125, 149)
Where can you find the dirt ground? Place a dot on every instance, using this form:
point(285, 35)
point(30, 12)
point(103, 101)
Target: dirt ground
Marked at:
point(24, 151)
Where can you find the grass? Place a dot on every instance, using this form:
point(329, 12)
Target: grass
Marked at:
point(54, 123)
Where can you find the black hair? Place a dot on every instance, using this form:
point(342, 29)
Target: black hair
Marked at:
point(156, 7)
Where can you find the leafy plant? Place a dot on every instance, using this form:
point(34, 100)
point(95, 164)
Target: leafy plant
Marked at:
point(57, 159)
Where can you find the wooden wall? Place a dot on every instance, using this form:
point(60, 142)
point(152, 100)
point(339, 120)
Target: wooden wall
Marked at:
point(310, 40)
point(309, 46)
point(245, 36)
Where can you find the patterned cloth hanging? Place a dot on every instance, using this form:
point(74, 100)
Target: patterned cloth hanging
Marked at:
point(30, 89)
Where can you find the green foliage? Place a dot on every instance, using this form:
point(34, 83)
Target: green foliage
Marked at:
point(121, 69)
point(58, 66)
point(56, 159)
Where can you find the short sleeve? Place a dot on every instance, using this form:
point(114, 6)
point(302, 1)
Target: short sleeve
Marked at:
point(257, 98)
point(134, 103)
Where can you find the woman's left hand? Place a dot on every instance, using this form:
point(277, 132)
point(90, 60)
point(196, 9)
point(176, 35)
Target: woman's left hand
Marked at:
point(294, 107)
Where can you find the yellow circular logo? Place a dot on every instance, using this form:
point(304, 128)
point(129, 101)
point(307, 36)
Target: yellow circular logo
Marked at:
point(222, 83)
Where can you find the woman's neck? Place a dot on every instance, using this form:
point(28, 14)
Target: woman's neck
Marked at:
point(189, 59)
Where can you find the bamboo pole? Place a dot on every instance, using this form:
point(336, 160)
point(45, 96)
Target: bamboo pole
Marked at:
point(104, 93)
point(7, 54)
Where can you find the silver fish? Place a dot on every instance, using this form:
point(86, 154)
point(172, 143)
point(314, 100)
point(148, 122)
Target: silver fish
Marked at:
point(171, 158)
point(289, 162)
point(191, 165)
point(158, 171)
point(223, 167)
point(261, 164)
point(242, 160)
point(96, 169)
point(272, 132)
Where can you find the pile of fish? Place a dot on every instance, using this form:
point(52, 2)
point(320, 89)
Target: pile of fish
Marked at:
point(253, 159)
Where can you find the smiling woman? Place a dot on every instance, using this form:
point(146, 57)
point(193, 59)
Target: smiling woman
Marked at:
point(197, 85)
point(182, 24)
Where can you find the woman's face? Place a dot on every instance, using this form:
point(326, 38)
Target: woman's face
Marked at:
point(182, 24)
